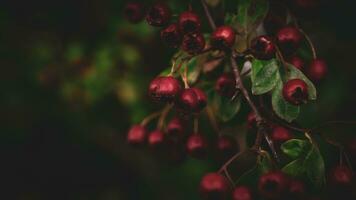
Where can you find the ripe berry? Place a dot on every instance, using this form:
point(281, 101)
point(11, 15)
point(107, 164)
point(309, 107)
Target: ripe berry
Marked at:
point(225, 85)
point(340, 176)
point(295, 91)
point(223, 38)
point(297, 62)
point(242, 193)
point(175, 128)
point(263, 48)
point(137, 135)
point(226, 147)
point(197, 146)
point(296, 190)
point(192, 100)
point(280, 135)
point(251, 120)
point(164, 88)
point(288, 39)
point(273, 185)
point(171, 36)
point(193, 43)
point(158, 15)
point(317, 70)
point(189, 22)
point(134, 12)
point(156, 140)
point(214, 186)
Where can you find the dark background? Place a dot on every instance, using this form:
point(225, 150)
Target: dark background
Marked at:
point(63, 118)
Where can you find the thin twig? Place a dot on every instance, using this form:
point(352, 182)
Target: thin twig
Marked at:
point(150, 117)
point(310, 43)
point(163, 116)
point(230, 161)
point(196, 125)
point(208, 15)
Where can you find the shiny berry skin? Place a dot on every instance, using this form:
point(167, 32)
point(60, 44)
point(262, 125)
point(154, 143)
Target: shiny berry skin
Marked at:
point(317, 70)
point(288, 40)
point(197, 146)
point(158, 15)
point(340, 176)
point(214, 186)
point(251, 120)
point(226, 147)
point(193, 43)
point(226, 85)
point(295, 91)
point(172, 36)
point(263, 48)
point(137, 135)
point(242, 193)
point(164, 88)
point(273, 185)
point(223, 38)
point(189, 22)
point(280, 135)
point(192, 100)
point(175, 128)
point(296, 190)
point(156, 140)
point(297, 62)
point(134, 12)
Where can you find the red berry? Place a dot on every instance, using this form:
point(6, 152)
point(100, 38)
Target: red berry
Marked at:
point(137, 135)
point(175, 128)
point(226, 147)
point(193, 43)
point(189, 22)
point(242, 193)
point(226, 85)
point(297, 62)
point(164, 88)
point(296, 190)
point(223, 38)
point(158, 15)
point(263, 48)
point(156, 140)
point(134, 12)
point(172, 36)
point(197, 146)
point(251, 120)
point(213, 186)
point(192, 100)
point(340, 175)
point(280, 135)
point(317, 70)
point(273, 185)
point(289, 39)
point(295, 91)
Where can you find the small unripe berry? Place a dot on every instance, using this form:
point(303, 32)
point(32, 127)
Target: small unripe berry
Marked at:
point(193, 43)
point(223, 38)
point(137, 135)
point(175, 128)
point(197, 146)
point(214, 186)
point(156, 140)
point(297, 62)
point(189, 22)
point(317, 70)
point(226, 147)
point(192, 100)
point(340, 176)
point(242, 193)
point(134, 12)
point(263, 48)
point(226, 85)
point(280, 135)
point(172, 36)
point(158, 15)
point(273, 185)
point(164, 88)
point(288, 40)
point(295, 91)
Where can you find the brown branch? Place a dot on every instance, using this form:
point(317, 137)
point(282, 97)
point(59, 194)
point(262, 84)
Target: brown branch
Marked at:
point(208, 15)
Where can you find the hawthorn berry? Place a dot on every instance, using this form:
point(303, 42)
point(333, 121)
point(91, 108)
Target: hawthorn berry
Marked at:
point(223, 38)
point(263, 48)
point(175, 128)
point(296, 190)
point(214, 186)
point(226, 147)
point(191, 100)
point(297, 62)
point(156, 140)
point(251, 120)
point(137, 135)
point(164, 88)
point(197, 146)
point(172, 36)
point(295, 91)
point(280, 135)
point(288, 39)
point(134, 12)
point(273, 185)
point(225, 85)
point(340, 176)
point(158, 15)
point(193, 43)
point(317, 70)
point(242, 193)
point(189, 22)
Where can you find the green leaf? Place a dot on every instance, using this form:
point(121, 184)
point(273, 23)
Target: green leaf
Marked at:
point(225, 108)
point(281, 107)
point(250, 14)
point(194, 70)
point(265, 163)
point(314, 163)
point(265, 76)
point(296, 73)
point(294, 168)
point(294, 148)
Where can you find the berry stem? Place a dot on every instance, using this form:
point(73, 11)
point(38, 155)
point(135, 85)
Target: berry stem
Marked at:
point(163, 116)
point(212, 119)
point(196, 124)
point(310, 43)
point(150, 117)
point(224, 167)
point(281, 58)
point(208, 15)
